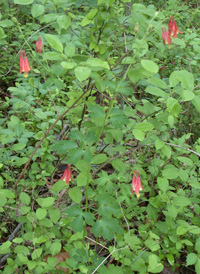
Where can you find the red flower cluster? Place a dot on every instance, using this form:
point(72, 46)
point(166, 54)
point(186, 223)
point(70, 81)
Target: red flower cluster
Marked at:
point(172, 32)
point(136, 183)
point(24, 64)
point(67, 175)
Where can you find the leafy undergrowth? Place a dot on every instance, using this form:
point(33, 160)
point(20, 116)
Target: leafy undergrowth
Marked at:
point(99, 138)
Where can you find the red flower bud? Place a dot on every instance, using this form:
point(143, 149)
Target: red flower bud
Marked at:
point(173, 29)
point(23, 63)
point(39, 44)
point(166, 37)
point(67, 175)
point(136, 183)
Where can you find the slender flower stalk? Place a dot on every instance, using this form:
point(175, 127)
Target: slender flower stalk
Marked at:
point(39, 44)
point(67, 175)
point(136, 183)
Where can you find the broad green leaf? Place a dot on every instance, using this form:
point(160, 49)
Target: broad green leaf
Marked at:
point(196, 103)
point(139, 134)
point(5, 247)
point(6, 23)
point(163, 184)
point(170, 173)
point(64, 21)
point(55, 248)
point(185, 160)
point(54, 215)
point(37, 10)
point(46, 222)
point(18, 147)
point(58, 186)
point(157, 82)
point(24, 197)
point(41, 213)
point(144, 126)
point(54, 42)
point(183, 76)
point(52, 56)
point(2, 33)
point(181, 230)
point(135, 74)
point(99, 159)
point(36, 253)
point(191, 259)
point(92, 13)
point(181, 201)
point(82, 73)
point(95, 62)
point(173, 106)
point(75, 194)
point(23, 2)
point(150, 66)
point(70, 50)
point(156, 91)
point(187, 95)
point(62, 147)
point(159, 143)
point(45, 202)
point(68, 65)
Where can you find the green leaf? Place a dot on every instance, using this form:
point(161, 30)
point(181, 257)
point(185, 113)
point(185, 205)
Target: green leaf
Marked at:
point(106, 227)
point(181, 230)
point(139, 134)
point(45, 202)
point(191, 259)
point(170, 173)
point(18, 147)
point(23, 2)
point(24, 197)
point(187, 95)
point(92, 14)
point(62, 147)
point(55, 248)
point(75, 194)
point(163, 184)
point(150, 66)
point(64, 21)
point(5, 247)
point(95, 62)
point(154, 265)
point(41, 213)
point(6, 23)
point(159, 144)
point(37, 10)
point(157, 82)
point(196, 103)
point(36, 253)
point(181, 201)
point(156, 91)
point(183, 76)
point(185, 160)
point(82, 73)
point(68, 65)
point(99, 159)
point(2, 33)
point(144, 126)
point(173, 106)
point(58, 186)
point(54, 215)
point(135, 74)
point(54, 42)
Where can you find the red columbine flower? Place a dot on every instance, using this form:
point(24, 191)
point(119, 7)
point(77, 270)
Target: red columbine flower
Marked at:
point(23, 63)
point(67, 175)
point(136, 183)
point(39, 44)
point(173, 29)
point(166, 37)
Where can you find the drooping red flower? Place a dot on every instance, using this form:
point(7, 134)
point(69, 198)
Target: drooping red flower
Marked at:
point(136, 183)
point(39, 44)
point(173, 29)
point(67, 175)
point(24, 64)
point(166, 37)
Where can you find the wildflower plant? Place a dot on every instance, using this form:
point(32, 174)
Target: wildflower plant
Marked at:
point(122, 110)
